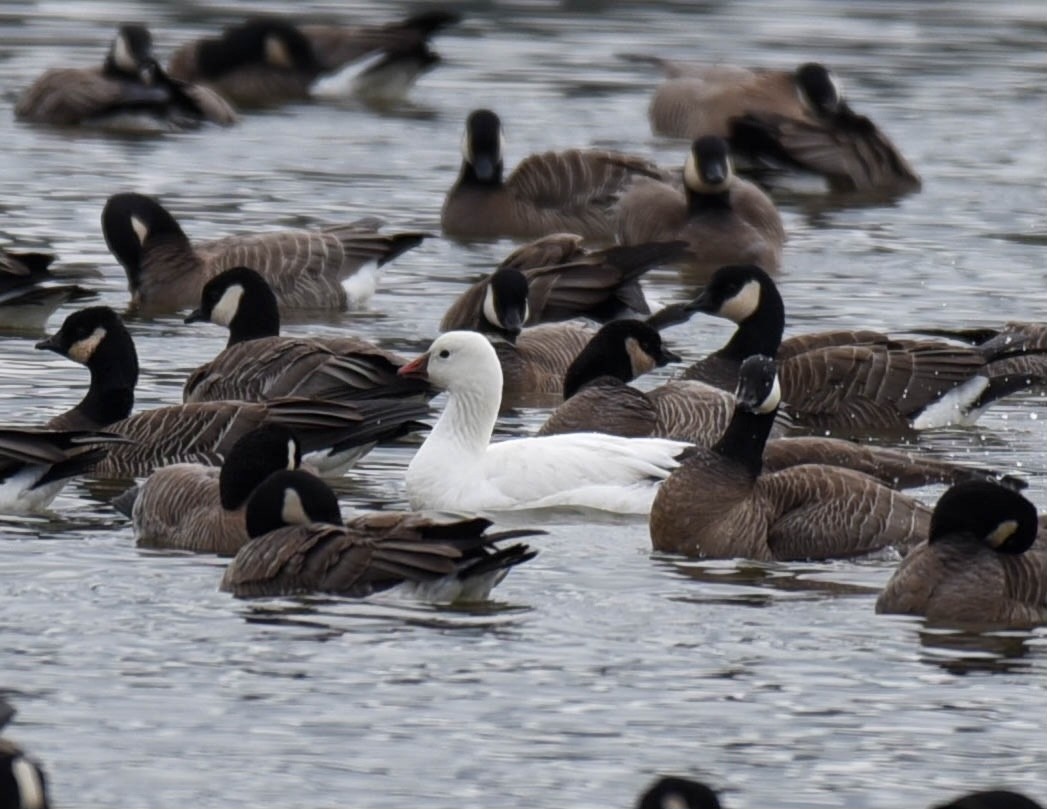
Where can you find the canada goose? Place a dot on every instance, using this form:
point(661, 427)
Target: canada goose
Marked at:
point(846, 382)
point(555, 278)
point(723, 218)
point(195, 507)
point(457, 467)
point(669, 792)
point(22, 781)
point(307, 269)
point(721, 504)
point(35, 463)
point(573, 191)
point(203, 432)
point(300, 545)
point(30, 292)
point(128, 92)
point(534, 364)
point(979, 564)
point(597, 399)
point(794, 120)
point(259, 364)
point(266, 61)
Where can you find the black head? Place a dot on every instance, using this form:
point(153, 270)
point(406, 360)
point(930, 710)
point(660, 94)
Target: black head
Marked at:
point(91, 336)
point(987, 512)
point(624, 349)
point(133, 222)
point(254, 457)
point(268, 41)
point(736, 292)
point(131, 54)
point(241, 300)
point(819, 88)
point(482, 147)
point(992, 799)
point(758, 391)
point(505, 301)
point(708, 167)
point(670, 792)
point(290, 498)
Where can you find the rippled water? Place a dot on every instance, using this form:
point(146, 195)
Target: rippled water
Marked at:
point(601, 664)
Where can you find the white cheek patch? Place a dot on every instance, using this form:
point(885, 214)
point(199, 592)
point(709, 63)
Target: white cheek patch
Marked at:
point(489, 310)
point(293, 512)
point(228, 305)
point(691, 178)
point(122, 55)
point(467, 147)
point(30, 787)
point(640, 360)
point(742, 305)
point(276, 52)
point(292, 448)
point(140, 228)
point(772, 401)
point(674, 801)
point(82, 350)
point(1002, 533)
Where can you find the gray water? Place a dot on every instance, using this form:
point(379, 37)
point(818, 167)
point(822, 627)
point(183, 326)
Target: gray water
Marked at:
point(600, 664)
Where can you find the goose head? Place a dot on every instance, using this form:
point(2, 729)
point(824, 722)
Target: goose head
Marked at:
point(458, 362)
point(95, 337)
point(708, 168)
point(131, 223)
point(290, 498)
point(505, 307)
point(482, 146)
point(736, 292)
point(670, 792)
point(989, 513)
point(624, 349)
point(267, 41)
point(131, 54)
point(241, 300)
point(758, 389)
point(818, 88)
point(254, 457)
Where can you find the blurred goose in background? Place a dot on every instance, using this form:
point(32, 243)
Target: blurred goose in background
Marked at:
point(30, 292)
point(598, 399)
point(457, 467)
point(331, 268)
point(991, 799)
point(574, 191)
point(555, 278)
point(982, 563)
point(792, 120)
point(129, 92)
point(670, 792)
point(300, 545)
point(22, 781)
point(339, 433)
point(720, 504)
point(848, 383)
point(258, 364)
point(723, 218)
point(267, 61)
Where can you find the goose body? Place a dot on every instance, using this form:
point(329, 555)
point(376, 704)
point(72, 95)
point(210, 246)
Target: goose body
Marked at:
point(534, 364)
point(721, 504)
point(128, 92)
point(722, 218)
point(331, 269)
point(299, 544)
point(982, 563)
point(30, 292)
point(575, 191)
point(457, 467)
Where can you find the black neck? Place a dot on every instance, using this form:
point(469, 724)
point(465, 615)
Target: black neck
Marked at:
point(114, 374)
point(701, 202)
point(744, 439)
point(761, 332)
point(253, 322)
point(593, 363)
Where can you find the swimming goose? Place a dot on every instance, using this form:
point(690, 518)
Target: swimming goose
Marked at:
point(573, 191)
point(457, 468)
point(846, 382)
point(30, 292)
point(331, 268)
point(259, 364)
point(299, 545)
point(266, 61)
point(723, 218)
point(721, 504)
point(781, 119)
point(669, 792)
point(555, 278)
point(22, 781)
point(981, 563)
point(36, 463)
point(128, 92)
point(598, 399)
point(339, 433)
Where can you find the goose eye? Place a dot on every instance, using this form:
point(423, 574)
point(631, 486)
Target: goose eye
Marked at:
point(445, 354)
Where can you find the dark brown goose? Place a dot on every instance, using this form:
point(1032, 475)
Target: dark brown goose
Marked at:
point(534, 365)
point(721, 504)
point(846, 383)
point(723, 218)
point(204, 432)
point(22, 781)
point(266, 61)
point(193, 507)
point(332, 268)
point(30, 292)
point(779, 119)
point(258, 364)
point(982, 563)
point(128, 92)
point(598, 399)
point(300, 545)
point(555, 278)
point(575, 191)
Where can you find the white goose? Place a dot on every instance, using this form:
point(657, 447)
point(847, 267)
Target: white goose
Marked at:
point(457, 468)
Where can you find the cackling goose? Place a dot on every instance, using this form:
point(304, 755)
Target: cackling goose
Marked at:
point(982, 563)
point(22, 781)
point(30, 292)
point(332, 268)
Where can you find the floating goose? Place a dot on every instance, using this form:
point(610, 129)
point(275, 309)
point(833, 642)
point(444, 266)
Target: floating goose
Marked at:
point(457, 468)
point(299, 545)
point(332, 268)
point(721, 504)
point(982, 563)
point(258, 364)
point(22, 781)
point(30, 292)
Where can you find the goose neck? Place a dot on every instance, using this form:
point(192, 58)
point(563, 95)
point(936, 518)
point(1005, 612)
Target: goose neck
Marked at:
point(468, 419)
point(744, 439)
